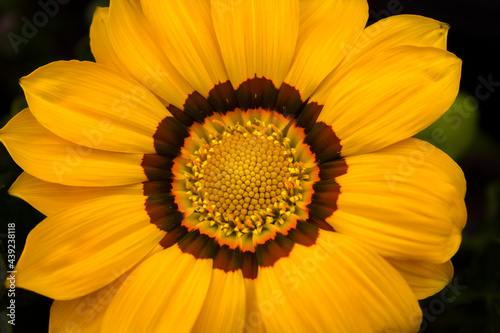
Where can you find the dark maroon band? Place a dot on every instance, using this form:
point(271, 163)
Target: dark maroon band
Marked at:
point(251, 94)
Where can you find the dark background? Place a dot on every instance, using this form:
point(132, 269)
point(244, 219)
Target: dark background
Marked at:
point(470, 303)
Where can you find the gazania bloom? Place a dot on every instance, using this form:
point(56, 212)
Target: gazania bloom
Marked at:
point(232, 166)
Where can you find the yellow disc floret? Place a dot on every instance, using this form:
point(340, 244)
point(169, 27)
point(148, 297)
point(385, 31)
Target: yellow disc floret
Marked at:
point(246, 177)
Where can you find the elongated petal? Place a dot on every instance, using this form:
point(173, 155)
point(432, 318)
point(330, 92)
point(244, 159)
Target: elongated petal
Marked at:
point(335, 285)
point(388, 33)
point(224, 307)
point(253, 315)
point(424, 278)
point(51, 198)
point(93, 106)
point(85, 314)
point(390, 97)
point(398, 30)
point(100, 44)
point(185, 31)
point(140, 51)
point(406, 201)
point(63, 161)
point(82, 314)
point(328, 30)
point(77, 251)
point(165, 294)
point(257, 38)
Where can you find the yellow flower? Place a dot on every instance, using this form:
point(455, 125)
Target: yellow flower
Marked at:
point(233, 166)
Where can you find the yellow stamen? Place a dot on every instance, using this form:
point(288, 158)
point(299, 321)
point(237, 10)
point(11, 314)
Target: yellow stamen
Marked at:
point(245, 177)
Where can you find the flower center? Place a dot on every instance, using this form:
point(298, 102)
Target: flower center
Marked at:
point(246, 177)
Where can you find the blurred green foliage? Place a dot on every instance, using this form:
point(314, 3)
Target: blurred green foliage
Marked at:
point(455, 130)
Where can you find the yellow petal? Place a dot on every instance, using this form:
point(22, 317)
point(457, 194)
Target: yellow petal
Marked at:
point(85, 314)
point(94, 106)
point(253, 316)
point(257, 38)
point(138, 47)
point(400, 30)
point(100, 44)
point(165, 294)
point(390, 32)
point(406, 201)
point(184, 30)
point(224, 307)
point(424, 278)
point(48, 157)
point(51, 198)
point(77, 251)
point(335, 285)
point(328, 30)
point(390, 96)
